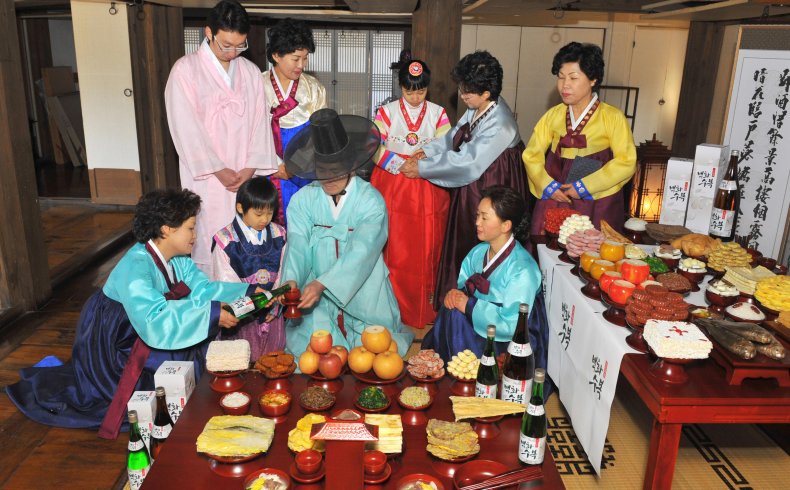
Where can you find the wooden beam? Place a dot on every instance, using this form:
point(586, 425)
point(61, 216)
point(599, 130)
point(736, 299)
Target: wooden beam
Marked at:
point(156, 41)
point(441, 51)
point(24, 274)
point(696, 92)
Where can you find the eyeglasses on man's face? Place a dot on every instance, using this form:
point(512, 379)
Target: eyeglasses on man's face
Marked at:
point(230, 49)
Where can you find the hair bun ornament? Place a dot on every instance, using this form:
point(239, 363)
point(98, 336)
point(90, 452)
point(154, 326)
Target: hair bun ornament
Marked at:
point(415, 69)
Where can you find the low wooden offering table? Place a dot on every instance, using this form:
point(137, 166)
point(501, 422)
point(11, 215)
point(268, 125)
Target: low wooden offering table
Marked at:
point(179, 463)
point(705, 398)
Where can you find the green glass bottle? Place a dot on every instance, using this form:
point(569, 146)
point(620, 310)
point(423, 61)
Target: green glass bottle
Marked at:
point(532, 442)
point(138, 461)
point(488, 372)
point(519, 367)
point(252, 305)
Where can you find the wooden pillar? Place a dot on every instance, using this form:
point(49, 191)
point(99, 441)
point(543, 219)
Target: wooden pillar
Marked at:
point(156, 38)
point(24, 273)
point(696, 92)
point(436, 39)
point(257, 39)
point(37, 55)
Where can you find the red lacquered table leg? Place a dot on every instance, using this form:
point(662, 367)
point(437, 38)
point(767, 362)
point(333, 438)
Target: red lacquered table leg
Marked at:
point(664, 442)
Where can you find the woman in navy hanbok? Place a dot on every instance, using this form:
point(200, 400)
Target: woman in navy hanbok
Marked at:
point(496, 277)
point(155, 306)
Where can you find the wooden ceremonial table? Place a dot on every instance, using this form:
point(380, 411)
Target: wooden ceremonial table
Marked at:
point(705, 399)
point(180, 465)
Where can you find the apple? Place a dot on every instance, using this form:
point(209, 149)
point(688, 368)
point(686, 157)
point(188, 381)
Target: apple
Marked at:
point(308, 362)
point(635, 271)
point(330, 366)
point(341, 352)
point(321, 341)
point(620, 291)
point(607, 278)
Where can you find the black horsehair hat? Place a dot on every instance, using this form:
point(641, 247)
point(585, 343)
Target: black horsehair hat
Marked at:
point(331, 146)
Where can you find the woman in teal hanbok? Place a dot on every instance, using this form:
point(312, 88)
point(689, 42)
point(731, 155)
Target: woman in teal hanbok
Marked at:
point(155, 306)
point(337, 228)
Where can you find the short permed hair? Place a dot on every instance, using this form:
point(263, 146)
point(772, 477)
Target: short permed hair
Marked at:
point(478, 72)
point(588, 56)
point(228, 15)
point(257, 193)
point(413, 82)
point(168, 207)
point(287, 36)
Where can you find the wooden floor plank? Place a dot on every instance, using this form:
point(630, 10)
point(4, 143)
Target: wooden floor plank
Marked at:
point(20, 437)
point(27, 355)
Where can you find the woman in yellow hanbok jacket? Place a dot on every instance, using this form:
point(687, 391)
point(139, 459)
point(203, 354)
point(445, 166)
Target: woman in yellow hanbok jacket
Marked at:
point(585, 134)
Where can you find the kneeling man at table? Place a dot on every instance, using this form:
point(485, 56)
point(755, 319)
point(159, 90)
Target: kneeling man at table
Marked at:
point(337, 227)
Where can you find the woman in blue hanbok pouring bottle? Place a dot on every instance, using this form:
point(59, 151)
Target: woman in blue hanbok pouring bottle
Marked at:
point(155, 306)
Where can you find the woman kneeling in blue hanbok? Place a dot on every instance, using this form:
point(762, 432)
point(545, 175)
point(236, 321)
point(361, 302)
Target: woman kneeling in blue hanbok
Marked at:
point(496, 277)
point(155, 306)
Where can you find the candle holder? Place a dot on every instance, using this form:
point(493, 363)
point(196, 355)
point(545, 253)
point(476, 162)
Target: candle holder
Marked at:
point(292, 298)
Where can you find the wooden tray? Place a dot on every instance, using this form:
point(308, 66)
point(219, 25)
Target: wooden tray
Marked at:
point(737, 369)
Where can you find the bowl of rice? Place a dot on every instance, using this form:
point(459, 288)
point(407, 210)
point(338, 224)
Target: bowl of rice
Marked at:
point(235, 403)
point(415, 398)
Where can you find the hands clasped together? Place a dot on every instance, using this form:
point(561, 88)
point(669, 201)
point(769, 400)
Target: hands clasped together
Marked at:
point(409, 168)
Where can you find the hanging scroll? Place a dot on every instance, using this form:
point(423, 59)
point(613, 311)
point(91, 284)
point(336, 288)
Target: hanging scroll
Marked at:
point(758, 126)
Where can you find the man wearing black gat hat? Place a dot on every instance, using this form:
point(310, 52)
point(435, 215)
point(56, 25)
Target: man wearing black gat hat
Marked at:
point(337, 227)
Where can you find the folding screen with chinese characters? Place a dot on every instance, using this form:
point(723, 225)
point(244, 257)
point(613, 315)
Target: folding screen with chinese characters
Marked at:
point(758, 126)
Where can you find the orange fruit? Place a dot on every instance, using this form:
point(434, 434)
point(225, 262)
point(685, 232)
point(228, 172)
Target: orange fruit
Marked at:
point(308, 362)
point(388, 365)
point(376, 338)
point(360, 360)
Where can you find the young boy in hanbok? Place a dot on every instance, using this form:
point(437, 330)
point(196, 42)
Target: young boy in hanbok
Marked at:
point(155, 306)
point(416, 208)
point(292, 94)
point(337, 227)
point(249, 250)
point(496, 277)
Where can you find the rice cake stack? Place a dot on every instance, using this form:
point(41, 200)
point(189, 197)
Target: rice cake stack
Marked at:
point(236, 435)
point(390, 433)
point(746, 278)
point(676, 340)
point(728, 254)
point(228, 355)
point(451, 440)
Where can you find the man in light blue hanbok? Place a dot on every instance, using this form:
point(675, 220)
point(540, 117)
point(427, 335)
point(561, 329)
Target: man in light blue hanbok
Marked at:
point(337, 228)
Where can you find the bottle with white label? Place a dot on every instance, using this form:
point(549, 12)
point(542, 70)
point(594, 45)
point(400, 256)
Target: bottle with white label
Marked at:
point(532, 442)
point(138, 462)
point(488, 372)
point(163, 424)
point(519, 366)
point(726, 203)
point(256, 303)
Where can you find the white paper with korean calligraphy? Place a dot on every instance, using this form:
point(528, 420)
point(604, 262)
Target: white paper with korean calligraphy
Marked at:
point(585, 352)
point(757, 125)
